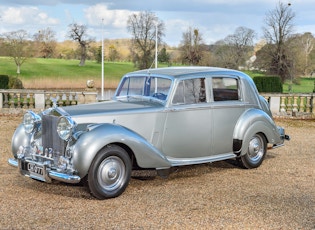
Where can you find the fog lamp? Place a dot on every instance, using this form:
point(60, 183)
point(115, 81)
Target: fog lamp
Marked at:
point(62, 163)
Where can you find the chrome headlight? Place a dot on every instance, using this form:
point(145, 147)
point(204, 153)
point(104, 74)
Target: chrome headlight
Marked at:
point(65, 128)
point(30, 120)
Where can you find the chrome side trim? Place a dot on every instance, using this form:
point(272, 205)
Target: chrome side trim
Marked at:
point(200, 160)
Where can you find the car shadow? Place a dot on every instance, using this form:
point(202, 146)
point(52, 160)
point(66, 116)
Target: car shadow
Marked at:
point(81, 191)
point(58, 188)
point(197, 170)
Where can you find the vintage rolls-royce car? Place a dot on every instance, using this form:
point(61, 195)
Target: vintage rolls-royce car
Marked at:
point(158, 119)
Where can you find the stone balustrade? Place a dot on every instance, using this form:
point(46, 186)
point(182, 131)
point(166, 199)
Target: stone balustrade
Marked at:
point(295, 105)
point(291, 104)
point(40, 99)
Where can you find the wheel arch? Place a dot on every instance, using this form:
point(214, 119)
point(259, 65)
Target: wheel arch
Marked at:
point(129, 151)
point(89, 144)
point(253, 121)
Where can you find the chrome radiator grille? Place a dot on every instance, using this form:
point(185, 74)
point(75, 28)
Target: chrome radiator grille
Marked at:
point(50, 137)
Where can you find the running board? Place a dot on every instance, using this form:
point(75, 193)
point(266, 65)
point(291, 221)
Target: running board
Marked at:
point(199, 160)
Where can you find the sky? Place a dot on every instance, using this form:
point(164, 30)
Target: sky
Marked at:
point(215, 19)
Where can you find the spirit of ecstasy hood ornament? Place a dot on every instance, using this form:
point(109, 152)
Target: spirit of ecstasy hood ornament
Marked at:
point(54, 101)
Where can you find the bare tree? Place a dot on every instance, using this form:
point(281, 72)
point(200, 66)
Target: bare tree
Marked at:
point(235, 49)
point(241, 44)
point(46, 41)
point(143, 27)
point(78, 33)
point(18, 47)
point(300, 47)
point(278, 29)
point(191, 46)
point(307, 42)
point(223, 56)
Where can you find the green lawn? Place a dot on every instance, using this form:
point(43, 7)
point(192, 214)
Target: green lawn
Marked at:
point(60, 73)
point(36, 71)
point(40, 67)
point(303, 85)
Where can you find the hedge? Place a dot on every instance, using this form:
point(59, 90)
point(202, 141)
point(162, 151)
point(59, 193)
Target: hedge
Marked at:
point(268, 84)
point(4, 81)
point(8, 82)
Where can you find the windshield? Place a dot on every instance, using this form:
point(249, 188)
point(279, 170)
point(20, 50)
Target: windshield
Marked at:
point(155, 87)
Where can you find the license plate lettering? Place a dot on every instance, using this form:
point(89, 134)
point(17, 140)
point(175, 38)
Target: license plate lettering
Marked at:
point(33, 168)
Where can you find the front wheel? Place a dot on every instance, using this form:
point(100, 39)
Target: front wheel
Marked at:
point(109, 173)
point(256, 152)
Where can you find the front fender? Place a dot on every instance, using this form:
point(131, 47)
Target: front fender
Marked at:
point(91, 142)
point(251, 122)
point(19, 138)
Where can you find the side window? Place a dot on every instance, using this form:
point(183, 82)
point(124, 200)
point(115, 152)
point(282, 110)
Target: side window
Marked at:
point(225, 89)
point(159, 87)
point(132, 86)
point(190, 91)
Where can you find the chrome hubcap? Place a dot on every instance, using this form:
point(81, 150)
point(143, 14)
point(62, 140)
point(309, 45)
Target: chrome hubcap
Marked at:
point(111, 173)
point(256, 149)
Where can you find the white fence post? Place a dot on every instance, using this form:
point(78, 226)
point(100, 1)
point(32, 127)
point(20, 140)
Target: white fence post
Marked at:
point(275, 104)
point(39, 101)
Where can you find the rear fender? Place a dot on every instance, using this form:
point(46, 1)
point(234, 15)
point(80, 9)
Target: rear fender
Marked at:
point(91, 142)
point(251, 122)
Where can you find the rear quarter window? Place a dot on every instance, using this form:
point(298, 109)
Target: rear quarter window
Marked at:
point(225, 89)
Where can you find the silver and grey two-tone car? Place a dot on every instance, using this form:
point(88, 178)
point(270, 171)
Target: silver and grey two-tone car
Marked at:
point(158, 119)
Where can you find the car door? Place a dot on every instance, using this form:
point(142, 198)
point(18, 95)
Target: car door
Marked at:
point(187, 126)
point(226, 107)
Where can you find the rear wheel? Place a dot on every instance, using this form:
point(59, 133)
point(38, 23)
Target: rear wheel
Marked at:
point(109, 173)
point(256, 152)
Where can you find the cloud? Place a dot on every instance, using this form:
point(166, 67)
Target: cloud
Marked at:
point(214, 18)
point(115, 18)
point(25, 15)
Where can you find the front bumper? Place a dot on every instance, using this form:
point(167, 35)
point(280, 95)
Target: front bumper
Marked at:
point(42, 172)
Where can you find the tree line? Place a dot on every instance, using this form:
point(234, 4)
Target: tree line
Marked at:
point(281, 52)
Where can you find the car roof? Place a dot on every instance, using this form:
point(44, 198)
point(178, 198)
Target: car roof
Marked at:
point(182, 71)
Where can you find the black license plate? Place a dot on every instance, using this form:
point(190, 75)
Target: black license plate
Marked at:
point(35, 169)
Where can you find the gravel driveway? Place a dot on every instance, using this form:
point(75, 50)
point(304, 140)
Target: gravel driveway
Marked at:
point(278, 195)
